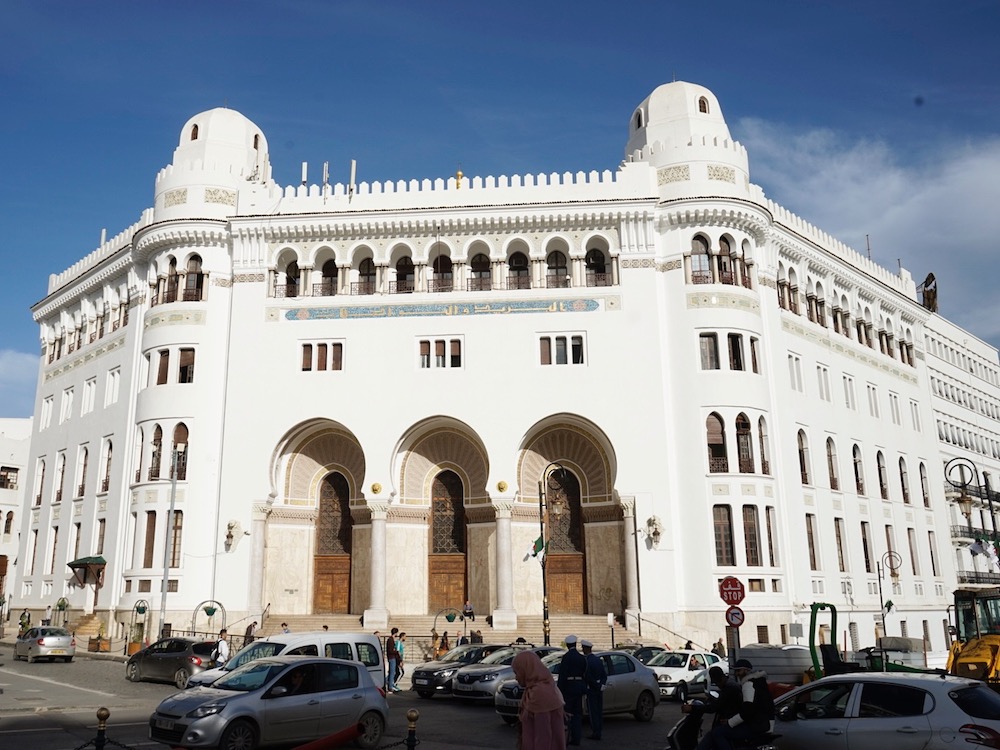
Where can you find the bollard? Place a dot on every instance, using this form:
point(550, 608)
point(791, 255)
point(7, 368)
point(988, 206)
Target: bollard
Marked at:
point(102, 725)
point(411, 735)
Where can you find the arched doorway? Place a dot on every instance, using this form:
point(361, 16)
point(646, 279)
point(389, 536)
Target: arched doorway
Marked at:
point(332, 561)
point(446, 566)
point(565, 563)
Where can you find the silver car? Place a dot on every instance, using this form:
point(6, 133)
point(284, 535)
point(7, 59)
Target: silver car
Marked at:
point(480, 681)
point(888, 711)
point(283, 700)
point(631, 687)
point(45, 643)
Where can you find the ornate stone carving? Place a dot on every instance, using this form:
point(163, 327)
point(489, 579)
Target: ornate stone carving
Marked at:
point(218, 195)
point(679, 173)
point(638, 263)
point(175, 197)
point(719, 172)
point(248, 278)
point(669, 265)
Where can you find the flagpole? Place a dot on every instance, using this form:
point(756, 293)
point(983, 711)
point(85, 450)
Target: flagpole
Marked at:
point(545, 589)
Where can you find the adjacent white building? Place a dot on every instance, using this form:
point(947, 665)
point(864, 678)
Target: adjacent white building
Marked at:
point(15, 442)
point(351, 396)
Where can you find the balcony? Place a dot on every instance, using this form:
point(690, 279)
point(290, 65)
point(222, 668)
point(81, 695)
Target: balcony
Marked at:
point(969, 576)
point(326, 289)
point(440, 285)
point(765, 467)
point(79, 491)
point(105, 483)
point(518, 281)
point(362, 287)
point(834, 483)
point(718, 465)
point(286, 291)
point(401, 287)
point(701, 277)
point(598, 279)
point(479, 285)
point(746, 466)
point(554, 281)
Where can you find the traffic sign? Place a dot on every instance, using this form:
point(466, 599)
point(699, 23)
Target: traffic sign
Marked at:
point(735, 616)
point(732, 590)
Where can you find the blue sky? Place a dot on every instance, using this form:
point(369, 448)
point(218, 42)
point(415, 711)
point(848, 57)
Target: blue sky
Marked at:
point(865, 118)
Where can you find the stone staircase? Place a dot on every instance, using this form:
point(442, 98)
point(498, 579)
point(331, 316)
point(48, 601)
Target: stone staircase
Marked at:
point(418, 629)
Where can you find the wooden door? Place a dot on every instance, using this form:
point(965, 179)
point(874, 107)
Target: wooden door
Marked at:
point(565, 583)
point(566, 562)
point(446, 562)
point(332, 561)
point(332, 584)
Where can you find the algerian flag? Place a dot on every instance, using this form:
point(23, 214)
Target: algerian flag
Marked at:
point(537, 549)
point(887, 608)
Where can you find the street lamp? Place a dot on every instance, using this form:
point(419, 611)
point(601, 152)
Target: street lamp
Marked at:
point(175, 459)
point(892, 561)
point(557, 505)
point(960, 473)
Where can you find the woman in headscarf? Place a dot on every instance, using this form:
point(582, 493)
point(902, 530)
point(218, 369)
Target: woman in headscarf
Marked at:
point(542, 724)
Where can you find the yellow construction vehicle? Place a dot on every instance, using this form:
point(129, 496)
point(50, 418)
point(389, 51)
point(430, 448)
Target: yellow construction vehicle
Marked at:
point(975, 652)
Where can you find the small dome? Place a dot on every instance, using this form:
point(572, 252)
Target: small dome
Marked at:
point(222, 138)
point(674, 114)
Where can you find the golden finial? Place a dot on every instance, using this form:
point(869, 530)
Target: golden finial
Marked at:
point(458, 178)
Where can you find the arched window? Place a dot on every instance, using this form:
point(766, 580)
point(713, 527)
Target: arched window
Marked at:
point(744, 444)
point(703, 105)
point(176, 529)
point(404, 276)
point(172, 282)
point(831, 464)
point(106, 478)
point(194, 132)
point(40, 482)
point(82, 484)
point(481, 268)
point(883, 479)
point(447, 515)
point(256, 141)
point(334, 522)
point(638, 119)
point(556, 272)
point(722, 519)
point(291, 286)
point(366, 276)
point(701, 268)
point(716, 438)
point(157, 454)
point(803, 456)
point(60, 477)
point(194, 280)
point(726, 274)
point(8, 522)
point(178, 457)
point(765, 448)
point(904, 480)
point(566, 530)
point(597, 268)
point(442, 281)
point(328, 282)
point(859, 471)
point(517, 267)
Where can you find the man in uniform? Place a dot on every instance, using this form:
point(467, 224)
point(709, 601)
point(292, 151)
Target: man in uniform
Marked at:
point(597, 677)
point(573, 686)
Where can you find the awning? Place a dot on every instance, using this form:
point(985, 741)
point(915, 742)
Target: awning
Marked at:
point(88, 570)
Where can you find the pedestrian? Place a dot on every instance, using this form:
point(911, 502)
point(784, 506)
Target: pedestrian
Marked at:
point(468, 612)
point(401, 648)
point(391, 660)
point(597, 678)
point(541, 712)
point(719, 649)
point(326, 628)
point(572, 685)
point(285, 628)
point(725, 706)
point(756, 714)
point(689, 646)
point(477, 636)
point(24, 621)
point(221, 653)
point(48, 615)
point(250, 633)
point(443, 645)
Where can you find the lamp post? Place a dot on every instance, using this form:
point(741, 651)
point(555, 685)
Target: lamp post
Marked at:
point(175, 458)
point(960, 473)
point(892, 561)
point(557, 506)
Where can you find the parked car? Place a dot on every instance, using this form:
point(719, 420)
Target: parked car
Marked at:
point(640, 652)
point(880, 710)
point(362, 647)
point(283, 700)
point(436, 676)
point(45, 643)
point(480, 681)
point(172, 659)
point(683, 673)
point(631, 687)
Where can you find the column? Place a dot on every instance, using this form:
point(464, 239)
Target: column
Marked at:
point(258, 547)
point(344, 280)
point(631, 560)
point(376, 617)
point(504, 616)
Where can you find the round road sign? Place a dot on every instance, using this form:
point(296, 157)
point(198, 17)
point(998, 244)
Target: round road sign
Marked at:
point(734, 616)
point(732, 590)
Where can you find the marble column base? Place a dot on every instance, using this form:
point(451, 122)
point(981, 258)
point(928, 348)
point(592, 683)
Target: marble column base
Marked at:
point(376, 619)
point(504, 619)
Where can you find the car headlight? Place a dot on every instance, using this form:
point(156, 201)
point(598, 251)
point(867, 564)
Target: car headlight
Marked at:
point(447, 672)
point(487, 678)
point(663, 678)
point(208, 709)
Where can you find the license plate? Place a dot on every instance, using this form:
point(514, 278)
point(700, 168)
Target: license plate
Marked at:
point(421, 682)
point(460, 686)
point(57, 651)
point(164, 724)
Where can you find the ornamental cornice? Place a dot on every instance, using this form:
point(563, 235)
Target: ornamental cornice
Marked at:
point(72, 292)
point(289, 515)
point(408, 514)
point(602, 513)
point(180, 233)
point(480, 514)
point(746, 216)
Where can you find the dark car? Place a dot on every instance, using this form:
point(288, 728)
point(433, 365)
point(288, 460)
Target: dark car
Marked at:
point(640, 652)
point(171, 660)
point(436, 676)
point(479, 681)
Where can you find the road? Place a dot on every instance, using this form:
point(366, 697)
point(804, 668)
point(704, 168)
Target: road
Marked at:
point(53, 707)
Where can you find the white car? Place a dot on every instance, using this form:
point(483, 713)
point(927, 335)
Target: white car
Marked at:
point(888, 711)
point(683, 673)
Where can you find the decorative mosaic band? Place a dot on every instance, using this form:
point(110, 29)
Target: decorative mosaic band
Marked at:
point(248, 278)
point(638, 263)
point(431, 310)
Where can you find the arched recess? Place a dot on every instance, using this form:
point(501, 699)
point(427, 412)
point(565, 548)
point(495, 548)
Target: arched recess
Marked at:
point(584, 567)
point(334, 545)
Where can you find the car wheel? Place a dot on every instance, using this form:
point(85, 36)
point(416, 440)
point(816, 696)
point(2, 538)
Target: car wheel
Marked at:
point(240, 735)
point(644, 707)
point(30, 658)
point(132, 672)
point(425, 693)
point(509, 720)
point(681, 693)
point(181, 678)
point(371, 725)
point(67, 659)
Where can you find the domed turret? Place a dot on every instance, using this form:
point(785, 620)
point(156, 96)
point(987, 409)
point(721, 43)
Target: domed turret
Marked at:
point(680, 130)
point(219, 153)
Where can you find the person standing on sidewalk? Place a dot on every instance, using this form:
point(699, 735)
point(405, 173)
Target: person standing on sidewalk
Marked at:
point(392, 661)
point(597, 678)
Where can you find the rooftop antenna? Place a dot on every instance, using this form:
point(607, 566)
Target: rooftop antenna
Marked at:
point(350, 186)
point(326, 179)
point(305, 170)
point(869, 244)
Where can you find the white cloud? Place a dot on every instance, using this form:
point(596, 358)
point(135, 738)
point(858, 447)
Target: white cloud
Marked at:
point(18, 377)
point(939, 214)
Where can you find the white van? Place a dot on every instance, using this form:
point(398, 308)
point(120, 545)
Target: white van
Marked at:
point(361, 647)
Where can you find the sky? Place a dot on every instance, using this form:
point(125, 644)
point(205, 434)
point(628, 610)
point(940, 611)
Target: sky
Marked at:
point(877, 121)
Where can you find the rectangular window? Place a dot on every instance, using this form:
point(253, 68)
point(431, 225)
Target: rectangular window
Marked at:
point(163, 369)
point(897, 418)
point(866, 545)
point(67, 405)
point(562, 350)
point(561, 358)
point(76, 540)
point(709, 346)
point(447, 353)
point(735, 351)
point(175, 539)
point(147, 552)
point(772, 523)
point(723, 520)
point(439, 347)
point(89, 396)
point(838, 530)
point(931, 544)
point(795, 372)
point(185, 374)
point(873, 400)
point(911, 540)
point(337, 356)
point(811, 541)
point(915, 415)
point(55, 546)
point(755, 584)
point(849, 400)
point(112, 387)
point(762, 634)
point(576, 346)
point(47, 406)
point(100, 536)
point(754, 355)
point(34, 552)
point(456, 353)
point(823, 382)
point(751, 534)
point(425, 354)
point(321, 356)
point(545, 350)
point(8, 478)
point(307, 357)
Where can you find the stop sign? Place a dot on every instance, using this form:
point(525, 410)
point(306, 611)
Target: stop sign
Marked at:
point(732, 591)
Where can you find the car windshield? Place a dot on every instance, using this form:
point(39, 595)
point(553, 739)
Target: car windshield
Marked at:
point(668, 659)
point(250, 676)
point(977, 701)
point(459, 653)
point(553, 660)
point(256, 650)
point(502, 656)
point(52, 631)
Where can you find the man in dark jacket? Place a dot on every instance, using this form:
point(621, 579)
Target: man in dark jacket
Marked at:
point(597, 678)
point(723, 707)
point(392, 660)
point(573, 686)
point(756, 714)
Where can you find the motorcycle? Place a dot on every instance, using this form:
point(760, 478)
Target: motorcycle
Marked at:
point(686, 733)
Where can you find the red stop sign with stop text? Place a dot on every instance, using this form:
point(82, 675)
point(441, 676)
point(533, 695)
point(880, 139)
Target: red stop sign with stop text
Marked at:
point(732, 591)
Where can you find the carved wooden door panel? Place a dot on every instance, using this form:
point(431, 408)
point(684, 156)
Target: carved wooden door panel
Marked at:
point(332, 562)
point(332, 584)
point(446, 562)
point(565, 584)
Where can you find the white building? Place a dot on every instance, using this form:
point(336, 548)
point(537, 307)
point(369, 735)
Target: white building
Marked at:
point(359, 391)
point(15, 441)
